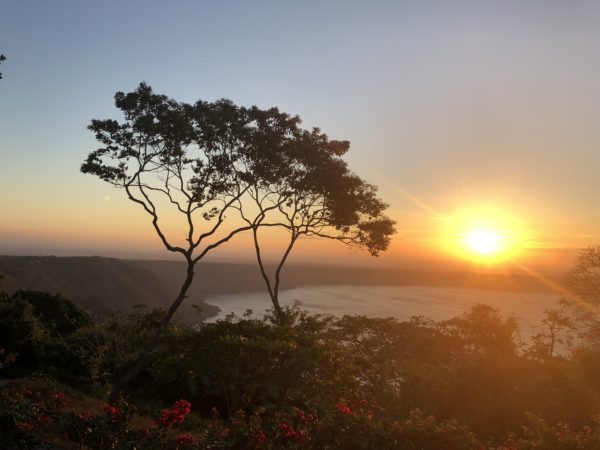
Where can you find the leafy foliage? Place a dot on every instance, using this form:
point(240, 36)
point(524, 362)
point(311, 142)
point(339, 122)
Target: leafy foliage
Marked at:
point(34, 325)
point(316, 382)
point(585, 284)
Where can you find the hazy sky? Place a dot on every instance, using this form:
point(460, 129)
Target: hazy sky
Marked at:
point(450, 107)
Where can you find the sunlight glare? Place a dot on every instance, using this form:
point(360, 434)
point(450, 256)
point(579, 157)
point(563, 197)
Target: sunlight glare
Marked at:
point(484, 242)
point(484, 234)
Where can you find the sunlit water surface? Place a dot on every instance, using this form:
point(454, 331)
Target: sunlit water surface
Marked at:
point(401, 302)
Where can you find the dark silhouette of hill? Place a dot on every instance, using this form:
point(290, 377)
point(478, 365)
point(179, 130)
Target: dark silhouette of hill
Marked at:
point(99, 285)
point(102, 285)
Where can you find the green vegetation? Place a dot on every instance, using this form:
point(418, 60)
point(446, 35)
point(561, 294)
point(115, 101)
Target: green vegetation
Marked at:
point(317, 382)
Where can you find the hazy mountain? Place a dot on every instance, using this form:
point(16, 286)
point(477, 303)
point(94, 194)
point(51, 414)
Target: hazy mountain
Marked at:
point(97, 284)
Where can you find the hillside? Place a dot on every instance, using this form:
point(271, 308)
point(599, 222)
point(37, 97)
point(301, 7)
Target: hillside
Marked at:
point(99, 285)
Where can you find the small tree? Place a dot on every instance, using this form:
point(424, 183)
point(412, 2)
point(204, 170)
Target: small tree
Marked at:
point(171, 158)
point(2, 59)
point(174, 158)
point(556, 336)
point(316, 195)
point(584, 282)
point(199, 162)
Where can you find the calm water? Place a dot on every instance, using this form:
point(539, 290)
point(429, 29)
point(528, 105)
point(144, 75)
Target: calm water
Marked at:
point(401, 302)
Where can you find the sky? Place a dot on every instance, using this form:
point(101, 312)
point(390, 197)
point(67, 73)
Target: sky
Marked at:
point(459, 111)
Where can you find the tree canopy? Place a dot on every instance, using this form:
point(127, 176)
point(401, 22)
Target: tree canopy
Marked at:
point(184, 154)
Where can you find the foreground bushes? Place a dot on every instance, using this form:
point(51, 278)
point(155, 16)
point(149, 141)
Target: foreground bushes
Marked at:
point(320, 382)
point(35, 414)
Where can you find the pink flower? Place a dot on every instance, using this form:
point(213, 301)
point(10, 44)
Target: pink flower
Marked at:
point(290, 433)
point(60, 397)
point(113, 412)
point(303, 417)
point(24, 426)
point(85, 415)
point(287, 429)
point(344, 408)
point(185, 440)
point(176, 414)
point(259, 437)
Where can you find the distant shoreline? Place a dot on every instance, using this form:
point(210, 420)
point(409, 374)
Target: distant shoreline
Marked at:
point(111, 284)
point(400, 302)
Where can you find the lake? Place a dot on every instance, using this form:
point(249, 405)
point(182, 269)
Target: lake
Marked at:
point(401, 302)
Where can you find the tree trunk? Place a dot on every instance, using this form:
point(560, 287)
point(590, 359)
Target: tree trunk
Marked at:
point(281, 317)
point(273, 290)
point(125, 375)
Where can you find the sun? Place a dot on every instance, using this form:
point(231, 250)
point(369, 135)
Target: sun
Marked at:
point(484, 234)
point(484, 242)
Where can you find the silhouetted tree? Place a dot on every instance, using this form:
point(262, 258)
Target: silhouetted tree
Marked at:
point(556, 336)
point(584, 281)
point(203, 162)
point(2, 59)
point(172, 157)
point(316, 195)
point(484, 331)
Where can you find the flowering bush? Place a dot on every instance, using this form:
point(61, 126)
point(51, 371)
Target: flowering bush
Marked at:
point(28, 421)
point(175, 415)
point(112, 412)
point(185, 440)
point(271, 397)
point(59, 398)
point(27, 416)
point(345, 409)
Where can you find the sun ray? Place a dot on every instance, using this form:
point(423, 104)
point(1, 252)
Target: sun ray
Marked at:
point(564, 291)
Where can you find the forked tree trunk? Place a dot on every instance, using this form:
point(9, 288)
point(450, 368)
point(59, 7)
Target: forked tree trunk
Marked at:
point(279, 314)
point(273, 289)
point(126, 375)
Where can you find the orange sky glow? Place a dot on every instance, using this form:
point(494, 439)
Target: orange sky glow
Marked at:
point(478, 122)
